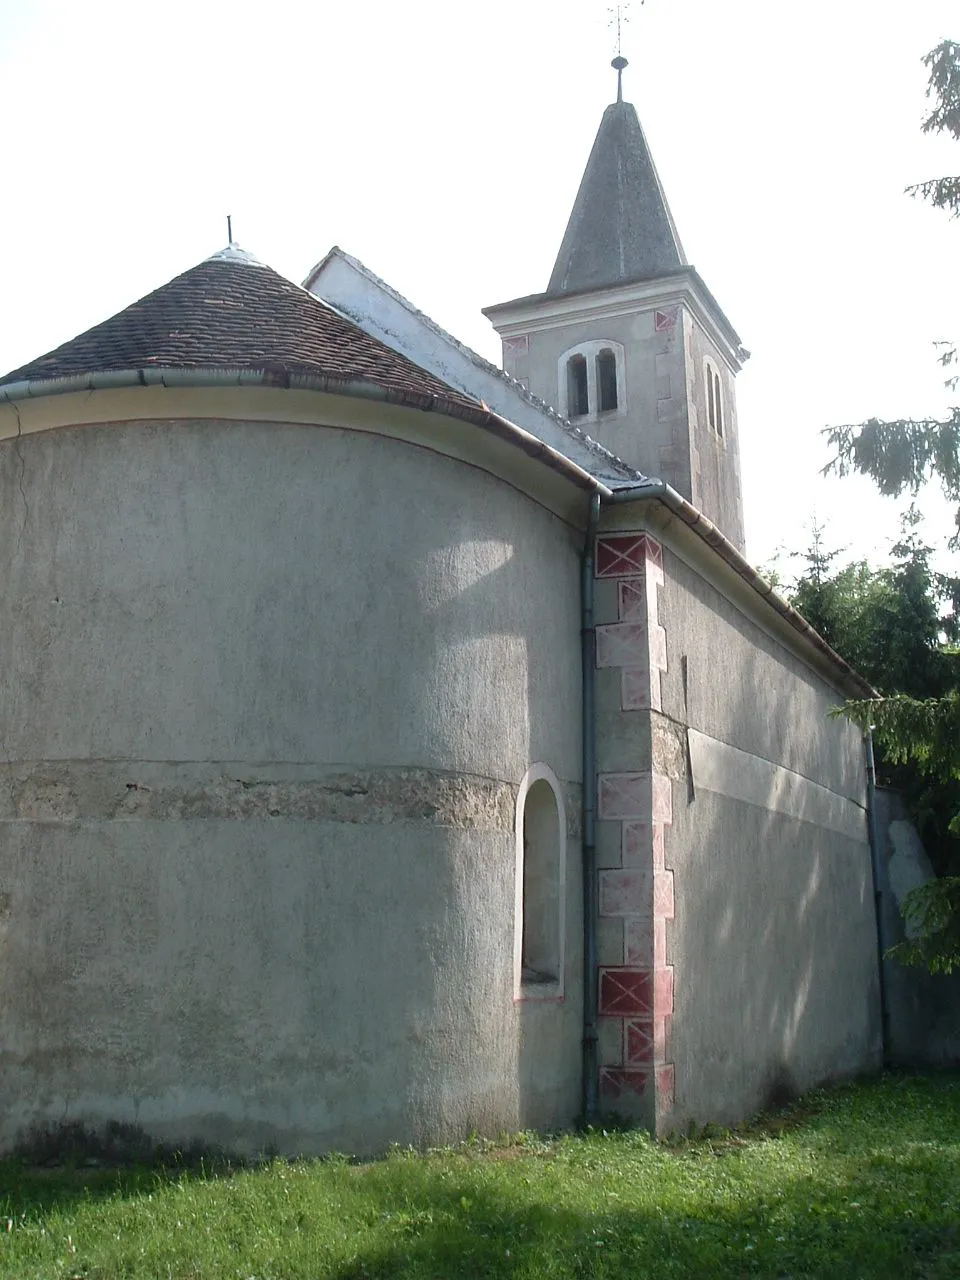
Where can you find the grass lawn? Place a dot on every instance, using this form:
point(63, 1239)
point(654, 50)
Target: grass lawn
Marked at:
point(863, 1181)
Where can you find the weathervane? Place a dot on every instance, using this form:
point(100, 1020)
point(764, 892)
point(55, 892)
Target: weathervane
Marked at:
point(619, 17)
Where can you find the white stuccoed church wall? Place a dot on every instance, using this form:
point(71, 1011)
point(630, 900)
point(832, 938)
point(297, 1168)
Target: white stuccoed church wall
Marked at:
point(269, 692)
point(737, 939)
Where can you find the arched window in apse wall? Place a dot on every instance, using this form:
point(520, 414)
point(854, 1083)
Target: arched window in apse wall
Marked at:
point(541, 856)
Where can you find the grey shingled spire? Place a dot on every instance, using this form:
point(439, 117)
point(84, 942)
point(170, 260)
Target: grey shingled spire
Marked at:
point(621, 227)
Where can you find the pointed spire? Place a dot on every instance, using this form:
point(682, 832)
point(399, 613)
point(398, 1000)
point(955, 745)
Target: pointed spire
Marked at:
point(621, 227)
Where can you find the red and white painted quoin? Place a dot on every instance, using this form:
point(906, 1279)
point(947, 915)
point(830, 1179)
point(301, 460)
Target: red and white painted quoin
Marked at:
point(638, 992)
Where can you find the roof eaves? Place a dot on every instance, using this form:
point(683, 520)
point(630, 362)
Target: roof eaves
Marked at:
point(593, 446)
point(224, 376)
point(557, 295)
point(708, 532)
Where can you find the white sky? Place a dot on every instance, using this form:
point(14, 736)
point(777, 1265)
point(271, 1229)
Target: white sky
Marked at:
point(443, 144)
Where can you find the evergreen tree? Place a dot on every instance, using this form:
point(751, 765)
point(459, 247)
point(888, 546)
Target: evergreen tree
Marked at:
point(918, 724)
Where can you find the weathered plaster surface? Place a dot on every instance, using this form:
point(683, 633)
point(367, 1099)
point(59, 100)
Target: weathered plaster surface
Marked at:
point(635, 892)
point(268, 692)
point(61, 791)
point(773, 933)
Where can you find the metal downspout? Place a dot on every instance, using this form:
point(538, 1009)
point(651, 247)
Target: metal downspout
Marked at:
point(589, 791)
point(878, 881)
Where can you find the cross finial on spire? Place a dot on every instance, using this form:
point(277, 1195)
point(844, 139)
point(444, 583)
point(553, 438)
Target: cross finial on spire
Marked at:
point(620, 18)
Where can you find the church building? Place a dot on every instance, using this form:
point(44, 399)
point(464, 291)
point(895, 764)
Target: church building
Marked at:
point(397, 746)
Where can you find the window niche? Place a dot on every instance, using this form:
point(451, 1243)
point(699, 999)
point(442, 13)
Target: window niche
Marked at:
point(714, 398)
point(541, 861)
point(607, 380)
point(590, 380)
point(578, 399)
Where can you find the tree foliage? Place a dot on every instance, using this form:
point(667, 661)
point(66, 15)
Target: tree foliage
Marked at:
point(902, 455)
point(931, 913)
point(917, 722)
point(898, 626)
point(943, 87)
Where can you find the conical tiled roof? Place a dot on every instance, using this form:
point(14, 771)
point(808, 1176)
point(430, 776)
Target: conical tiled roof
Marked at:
point(621, 227)
point(231, 312)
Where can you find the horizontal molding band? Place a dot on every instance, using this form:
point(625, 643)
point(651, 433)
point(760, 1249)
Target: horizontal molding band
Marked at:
point(730, 772)
point(75, 791)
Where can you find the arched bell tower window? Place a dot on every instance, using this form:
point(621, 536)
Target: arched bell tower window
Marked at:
point(607, 380)
point(714, 398)
point(590, 380)
point(540, 886)
point(578, 401)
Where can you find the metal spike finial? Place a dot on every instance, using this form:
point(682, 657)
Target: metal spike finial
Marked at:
point(229, 229)
point(618, 65)
point(620, 18)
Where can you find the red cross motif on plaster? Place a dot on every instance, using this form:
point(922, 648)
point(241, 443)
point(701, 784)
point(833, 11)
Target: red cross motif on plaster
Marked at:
point(662, 799)
point(659, 852)
point(636, 690)
point(633, 841)
point(663, 894)
point(621, 555)
point(636, 941)
point(640, 1044)
point(632, 600)
point(637, 996)
point(625, 992)
point(616, 1081)
point(663, 321)
point(663, 991)
point(624, 795)
point(518, 346)
point(625, 893)
point(659, 941)
point(621, 644)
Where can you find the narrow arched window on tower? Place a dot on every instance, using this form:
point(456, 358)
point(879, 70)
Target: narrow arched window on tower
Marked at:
point(711, 408)
point(607, 380)
point(714, 399)
point(718, 401)
point(577, 401)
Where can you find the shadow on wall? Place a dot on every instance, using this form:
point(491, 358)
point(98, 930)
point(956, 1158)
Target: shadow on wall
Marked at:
point(773, 940)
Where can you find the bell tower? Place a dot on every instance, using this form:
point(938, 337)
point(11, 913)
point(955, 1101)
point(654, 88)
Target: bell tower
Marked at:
point(627, 341)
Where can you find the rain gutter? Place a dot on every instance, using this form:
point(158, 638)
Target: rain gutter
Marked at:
point(708, 532)
point(878, 882)
point(588, 638)
point(358, 388)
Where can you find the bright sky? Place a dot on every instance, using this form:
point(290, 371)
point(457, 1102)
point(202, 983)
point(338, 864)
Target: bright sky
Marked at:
point(443, 144)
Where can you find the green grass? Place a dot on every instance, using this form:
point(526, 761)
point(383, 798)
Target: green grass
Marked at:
point(862, 1181)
